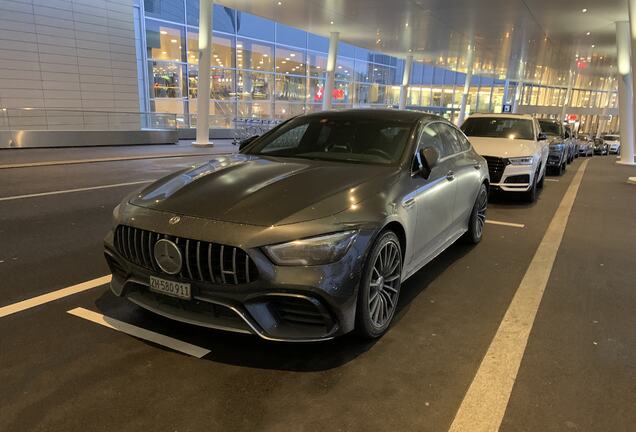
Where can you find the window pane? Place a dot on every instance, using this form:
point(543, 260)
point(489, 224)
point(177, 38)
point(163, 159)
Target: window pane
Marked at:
point(223, 18)
point(316, 90)
point(290, 61)
point(317, 43)
point(254, 55)
point(262, 109)
point(290, 88)
point(342, 92)
point(222, 83)
point(223, 50)
point(164, 41)
point(254, 86)
point(291, 36)
point(317, 64)
point(361, 71)
point(253, 26)
point(169, 10)
point(167, 79)
point(344, 69)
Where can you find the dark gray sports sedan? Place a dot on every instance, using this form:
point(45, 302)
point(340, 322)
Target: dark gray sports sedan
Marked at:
point(308, 232)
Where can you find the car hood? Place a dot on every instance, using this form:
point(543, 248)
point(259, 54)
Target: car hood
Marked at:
point(264, 191)
point(504, 147)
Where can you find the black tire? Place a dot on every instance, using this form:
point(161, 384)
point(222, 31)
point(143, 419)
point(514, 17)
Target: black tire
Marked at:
point(531, 195)
point(562, 168)
point(542, 181)
point(366, 323)
point(477, 219)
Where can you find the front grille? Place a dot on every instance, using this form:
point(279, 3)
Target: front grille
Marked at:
point(202, 261)
point(496, 167)
point(298, 312)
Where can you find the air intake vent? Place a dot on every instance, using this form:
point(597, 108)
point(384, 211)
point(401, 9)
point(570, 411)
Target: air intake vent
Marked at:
point(496, 167)
point(202, 261)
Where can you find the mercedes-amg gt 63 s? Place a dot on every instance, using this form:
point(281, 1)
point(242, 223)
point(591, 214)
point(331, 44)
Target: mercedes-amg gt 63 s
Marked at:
point(308, 232)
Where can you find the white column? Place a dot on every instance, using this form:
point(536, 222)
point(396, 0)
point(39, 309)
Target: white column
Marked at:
point(625, 91)
point(406, 78)
point(331, 70)
point(602, 124)
point(470, 60)
point(568, 96)
point(205, 54)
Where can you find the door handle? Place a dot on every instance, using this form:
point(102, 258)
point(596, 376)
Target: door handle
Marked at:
point(450, 176)
point(407, 204)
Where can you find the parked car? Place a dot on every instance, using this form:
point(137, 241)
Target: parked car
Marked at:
point(573, 146)
point(600, 147)
point(586, 145)
point(515, 148)
point(558, 156)
point(308, 232)
point(614, 143)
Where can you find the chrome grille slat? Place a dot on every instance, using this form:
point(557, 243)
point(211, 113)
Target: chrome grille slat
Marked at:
point(199, 260)
point(247, 268)
point(187, 258)
point(142, 247)
point(210, 269)
point(234, 266)
point(222, 269)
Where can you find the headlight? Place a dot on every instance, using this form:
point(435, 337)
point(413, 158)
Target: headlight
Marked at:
point(312, 251)
point(526, 160)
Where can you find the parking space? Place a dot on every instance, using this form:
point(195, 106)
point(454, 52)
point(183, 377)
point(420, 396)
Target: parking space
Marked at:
point(91, 361)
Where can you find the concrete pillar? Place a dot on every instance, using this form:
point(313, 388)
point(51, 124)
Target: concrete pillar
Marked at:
point(603, 120)
point(625, 90)
point(331, 70)
point(470, 61)
point(568, 96)
point(205, 54)
point(406, 78)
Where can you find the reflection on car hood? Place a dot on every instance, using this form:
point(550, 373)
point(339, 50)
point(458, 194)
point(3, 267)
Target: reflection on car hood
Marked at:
point(264, 191)
point(504, 147)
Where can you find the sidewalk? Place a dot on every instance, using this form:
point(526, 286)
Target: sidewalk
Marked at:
point(17, 158)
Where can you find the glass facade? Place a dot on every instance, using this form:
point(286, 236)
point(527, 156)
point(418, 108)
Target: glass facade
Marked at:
point(264, 69)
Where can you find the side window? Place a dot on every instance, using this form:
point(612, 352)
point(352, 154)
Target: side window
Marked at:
point(464, 144)
point(449, 139)
point(288, 140)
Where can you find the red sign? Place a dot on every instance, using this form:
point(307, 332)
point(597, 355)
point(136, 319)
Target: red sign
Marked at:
point(581, 64)
point(572, 118)
point(337, 94)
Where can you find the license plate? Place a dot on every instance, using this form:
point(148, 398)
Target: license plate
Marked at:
point(171, 288)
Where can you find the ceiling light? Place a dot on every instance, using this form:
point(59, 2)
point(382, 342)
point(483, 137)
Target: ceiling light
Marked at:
point(331, 22)
point(279, 3)
point(292, 55)
point(584, 10)
point(588, 33)
point(265, 55)
point(163, 32)
point(593, 46)
point(173, 40)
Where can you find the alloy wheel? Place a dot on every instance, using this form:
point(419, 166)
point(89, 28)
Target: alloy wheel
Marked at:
point(384, 285)
point(482, 207)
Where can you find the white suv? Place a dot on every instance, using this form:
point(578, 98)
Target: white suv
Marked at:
point(514, 147)
point(613, 143)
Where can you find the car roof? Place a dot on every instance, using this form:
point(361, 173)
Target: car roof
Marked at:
point(502, 115)
point(378, 114)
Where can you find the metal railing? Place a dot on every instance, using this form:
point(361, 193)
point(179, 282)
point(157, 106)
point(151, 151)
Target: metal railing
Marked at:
point(83, 120)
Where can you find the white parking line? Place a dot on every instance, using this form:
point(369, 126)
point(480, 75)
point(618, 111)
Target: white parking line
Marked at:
point(109, 159)
point(16, 197)
point(509, 224)
point(552, 180)
point(485, 403)
point(141, 333)
point(55, 295)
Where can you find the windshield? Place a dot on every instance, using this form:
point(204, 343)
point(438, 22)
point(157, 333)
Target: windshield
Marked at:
point(355, 139)
point(499, 127)
point(550, 128)
point(611, 137)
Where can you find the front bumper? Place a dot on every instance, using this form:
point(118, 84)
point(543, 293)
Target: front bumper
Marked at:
point(300, 304)
point(516, 178)
point(555, 160)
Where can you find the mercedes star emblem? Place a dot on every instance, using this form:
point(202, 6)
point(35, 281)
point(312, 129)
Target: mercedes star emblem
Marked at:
point(168, 256)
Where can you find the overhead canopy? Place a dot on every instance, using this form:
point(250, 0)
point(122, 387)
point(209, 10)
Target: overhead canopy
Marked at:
point(543, 36)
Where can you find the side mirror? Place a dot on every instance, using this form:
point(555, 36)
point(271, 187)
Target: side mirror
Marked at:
point(542, 136)
point(428, 159)
point(246, 142)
